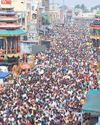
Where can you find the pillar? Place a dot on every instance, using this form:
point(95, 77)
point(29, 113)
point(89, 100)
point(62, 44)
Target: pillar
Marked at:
point(15, 45)
point(6, 46)
point(11, 46)
point(18, 40)
point(3, 46)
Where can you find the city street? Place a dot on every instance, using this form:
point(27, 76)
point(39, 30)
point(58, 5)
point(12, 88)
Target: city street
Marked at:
point(53, 93)
point(49, 63)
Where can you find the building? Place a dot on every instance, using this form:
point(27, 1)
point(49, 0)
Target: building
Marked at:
point(19, 5)
point(24, 9)
point(63, 13)
point(68, 17)
point(10, 29)
point(43, 12)
point(29, 11)
point(95, 36)
point(32, 38)
point(54, 13)
point(45, 3)
point(28, 47)
point(95, 30)
point(86, 15)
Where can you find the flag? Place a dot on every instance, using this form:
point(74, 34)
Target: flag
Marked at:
point(5, 1)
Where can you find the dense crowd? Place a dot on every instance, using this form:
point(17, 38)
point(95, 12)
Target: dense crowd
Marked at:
point(52, 93)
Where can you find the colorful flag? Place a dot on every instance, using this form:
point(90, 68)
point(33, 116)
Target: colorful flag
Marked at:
point(5, 1)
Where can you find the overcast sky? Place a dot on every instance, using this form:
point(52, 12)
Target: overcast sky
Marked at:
point(71, 3)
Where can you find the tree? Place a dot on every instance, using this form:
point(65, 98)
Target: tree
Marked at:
point(77, 6)
point(83, 8)
point(76, 9)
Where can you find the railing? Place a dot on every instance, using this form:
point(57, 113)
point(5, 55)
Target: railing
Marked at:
point(8, 19)
point(8, 13)
point(96, 22)
point(5, 25)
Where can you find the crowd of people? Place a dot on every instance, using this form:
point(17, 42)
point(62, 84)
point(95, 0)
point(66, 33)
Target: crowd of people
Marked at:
point(53, 92)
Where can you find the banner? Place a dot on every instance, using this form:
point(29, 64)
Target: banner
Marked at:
point(5, 1)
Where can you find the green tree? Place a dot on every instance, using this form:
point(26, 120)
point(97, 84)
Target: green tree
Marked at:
point(83, 8)
point(76, 9)
point(77, 6)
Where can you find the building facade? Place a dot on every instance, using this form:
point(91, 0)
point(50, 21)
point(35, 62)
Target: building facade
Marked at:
point(10, 29)
point(95, 30)
point(45, 3)
point(54, 13)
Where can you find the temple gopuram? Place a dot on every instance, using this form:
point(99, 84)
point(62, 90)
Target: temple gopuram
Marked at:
point(95, 30)
point(10, 29)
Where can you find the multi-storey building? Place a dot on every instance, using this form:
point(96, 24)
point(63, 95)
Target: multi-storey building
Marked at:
point(54, 13)
point(10, 29)
point(95, 30)
point(24, 10)
point(45, 3)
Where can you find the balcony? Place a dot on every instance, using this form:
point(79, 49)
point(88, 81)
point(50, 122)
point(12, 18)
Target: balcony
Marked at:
point(7, 12)
point(8, 19)
point(9, 26)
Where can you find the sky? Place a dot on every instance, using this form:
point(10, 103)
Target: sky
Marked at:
point(71, 3)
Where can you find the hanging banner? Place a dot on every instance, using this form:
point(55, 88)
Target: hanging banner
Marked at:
point(5, 1)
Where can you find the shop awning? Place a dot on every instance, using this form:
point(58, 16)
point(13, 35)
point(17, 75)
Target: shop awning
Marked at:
point(12, 32)
point(3, 75)
point(92, 104)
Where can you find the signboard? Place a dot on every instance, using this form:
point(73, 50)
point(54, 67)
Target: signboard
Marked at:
point(5, 1)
